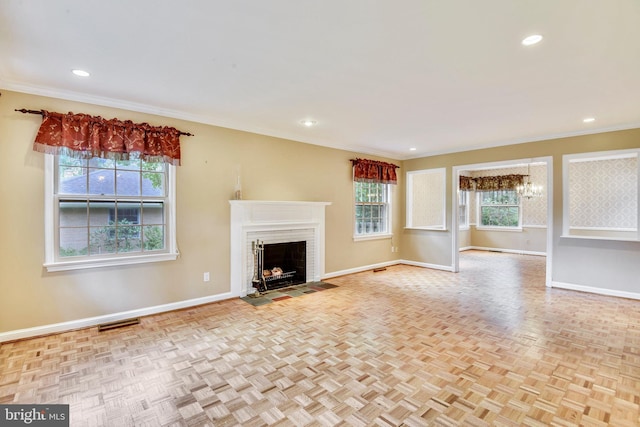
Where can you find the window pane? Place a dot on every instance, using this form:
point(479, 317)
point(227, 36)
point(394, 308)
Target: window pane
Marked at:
point(382, 221)
point(506, 197)
point(101, 181)
point(127, 183)
point(153, 237)
point(375, 211)
point(127, 213)
point(72, 180)
point(128, 238)
point(100, 213)
point(73, 241)
point(462, 208)
point(502, 216)
point(462, 212)
point(153, 184)
point(361, 192)
point(102, 240)
point(359, 212)
point(152, 213)
point(72, 213)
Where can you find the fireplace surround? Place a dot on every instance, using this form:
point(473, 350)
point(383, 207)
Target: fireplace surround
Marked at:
point(274, 222)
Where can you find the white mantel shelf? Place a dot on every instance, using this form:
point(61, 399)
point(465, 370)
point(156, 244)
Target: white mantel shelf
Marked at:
point(274, 221)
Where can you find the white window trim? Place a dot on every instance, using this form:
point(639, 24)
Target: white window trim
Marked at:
point(479, 225)
point(498, 228)
point(583, 157)
point(50, 262)
point(467, 224)
point(373, 236)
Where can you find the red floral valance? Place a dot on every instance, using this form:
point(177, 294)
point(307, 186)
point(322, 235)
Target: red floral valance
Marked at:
point(466, 183)
point(84, 136)
point(500, 182)
point(374, 171)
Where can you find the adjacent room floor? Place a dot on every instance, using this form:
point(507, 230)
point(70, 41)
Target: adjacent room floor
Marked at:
point(407, 346)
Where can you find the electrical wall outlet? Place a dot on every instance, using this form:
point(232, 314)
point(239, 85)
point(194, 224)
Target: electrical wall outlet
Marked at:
point(206, 277)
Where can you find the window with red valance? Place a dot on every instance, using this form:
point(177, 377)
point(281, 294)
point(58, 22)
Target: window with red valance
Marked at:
point(372, 190)
point(374, 171)
point(84, 136)
point(109, 190)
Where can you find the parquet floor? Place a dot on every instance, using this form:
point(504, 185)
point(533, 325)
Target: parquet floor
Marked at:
point(489, 346)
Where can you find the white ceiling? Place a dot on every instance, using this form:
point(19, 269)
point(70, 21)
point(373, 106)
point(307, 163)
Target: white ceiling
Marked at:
point(379, 77)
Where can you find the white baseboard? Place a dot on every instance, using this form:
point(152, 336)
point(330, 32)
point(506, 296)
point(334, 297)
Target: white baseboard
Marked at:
point(426, 265)
point(359, 269)
point(386, 264)
point(94, 321)
point(593, 290)
point(509, 251)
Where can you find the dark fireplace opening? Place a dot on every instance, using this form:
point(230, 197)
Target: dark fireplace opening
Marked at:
point(285, 264)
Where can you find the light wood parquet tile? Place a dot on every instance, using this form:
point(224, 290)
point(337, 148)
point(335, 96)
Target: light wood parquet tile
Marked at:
point(489, 346)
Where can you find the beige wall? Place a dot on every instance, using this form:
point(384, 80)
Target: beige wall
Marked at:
point(271, 169)
point(464, 237)
point(611, 265)
point(530, 239)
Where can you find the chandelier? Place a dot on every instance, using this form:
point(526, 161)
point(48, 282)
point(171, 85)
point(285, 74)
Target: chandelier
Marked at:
point(529, 190)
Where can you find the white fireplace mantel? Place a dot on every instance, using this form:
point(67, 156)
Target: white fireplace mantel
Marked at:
point(274, 222)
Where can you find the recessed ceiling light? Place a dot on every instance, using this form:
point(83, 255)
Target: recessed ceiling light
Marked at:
point(589, 119)
point(532, 39)
point(308, 123)
point(80, 73)
point(412, 149)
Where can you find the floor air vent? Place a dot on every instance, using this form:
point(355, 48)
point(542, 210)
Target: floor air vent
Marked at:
point(118, 324)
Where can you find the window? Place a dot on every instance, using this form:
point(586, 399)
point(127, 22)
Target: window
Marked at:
point(499, 208)
point(372, 209)
point(426, 199)
point(601, 195)
point(463, 209)
point(107, 212)
point(129, 215)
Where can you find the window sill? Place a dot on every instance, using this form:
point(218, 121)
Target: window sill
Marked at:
point(510, 229)
point(372, 237)
point(611, 239)
point(108, 262)
point(427, 228)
